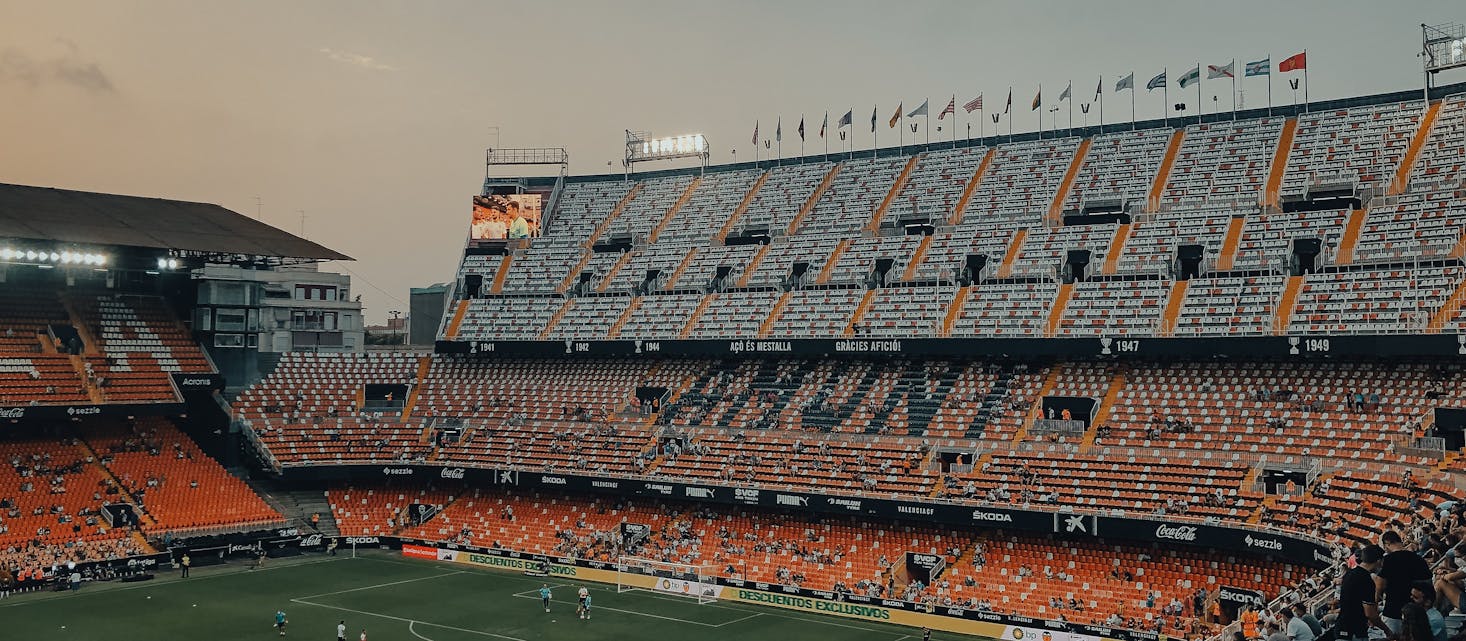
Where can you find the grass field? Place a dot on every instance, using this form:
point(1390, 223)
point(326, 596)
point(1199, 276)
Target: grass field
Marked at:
point(395, 598)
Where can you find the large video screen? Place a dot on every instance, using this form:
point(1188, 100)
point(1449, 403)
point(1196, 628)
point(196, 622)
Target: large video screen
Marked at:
point(505, 216)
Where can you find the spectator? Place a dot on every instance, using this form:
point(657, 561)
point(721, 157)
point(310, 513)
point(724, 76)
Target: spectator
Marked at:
point(1358, 610)
point(1295, 628)
point(1399, 570)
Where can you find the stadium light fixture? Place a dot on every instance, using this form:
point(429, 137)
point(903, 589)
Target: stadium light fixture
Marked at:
point(642, 147)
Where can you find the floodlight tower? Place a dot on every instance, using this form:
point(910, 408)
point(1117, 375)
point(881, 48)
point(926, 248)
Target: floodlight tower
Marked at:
point(1442, 47)
point(642, 147)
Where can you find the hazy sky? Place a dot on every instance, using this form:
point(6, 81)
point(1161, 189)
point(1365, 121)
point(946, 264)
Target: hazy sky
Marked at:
point(372, 117)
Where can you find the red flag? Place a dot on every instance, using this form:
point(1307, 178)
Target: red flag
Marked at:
point(1294, 63)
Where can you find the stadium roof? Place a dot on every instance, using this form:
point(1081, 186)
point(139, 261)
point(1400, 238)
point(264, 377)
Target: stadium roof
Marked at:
point(65, 216)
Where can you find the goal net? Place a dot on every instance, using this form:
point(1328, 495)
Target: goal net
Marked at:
point(698, 582)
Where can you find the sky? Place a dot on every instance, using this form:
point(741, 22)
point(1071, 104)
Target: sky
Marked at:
point(371, 118)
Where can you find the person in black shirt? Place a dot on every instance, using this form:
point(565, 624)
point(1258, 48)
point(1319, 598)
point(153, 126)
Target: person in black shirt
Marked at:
point(1357, 609)
point(1399, 569)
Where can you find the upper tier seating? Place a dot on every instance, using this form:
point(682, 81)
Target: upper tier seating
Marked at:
point(855, 194)
point(1223, 163)
point(583, 206)
point(782, 196)
point(644, 211)
point(716, 198)
point(1021, 183)
point(143, 345)
point(935, 186)
point(1119, 166)
point(1359, 145)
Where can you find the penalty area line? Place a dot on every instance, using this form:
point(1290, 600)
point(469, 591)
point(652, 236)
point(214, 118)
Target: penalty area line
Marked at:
point(410, 622)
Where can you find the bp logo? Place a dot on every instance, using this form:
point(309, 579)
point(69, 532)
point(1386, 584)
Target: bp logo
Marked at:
point(1017, 634)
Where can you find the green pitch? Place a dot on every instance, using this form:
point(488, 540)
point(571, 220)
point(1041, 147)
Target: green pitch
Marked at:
point(394, 599)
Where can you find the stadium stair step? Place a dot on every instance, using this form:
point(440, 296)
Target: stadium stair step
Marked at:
point(1345, 255)
point(84, 330)
point(424, 363)
point(569, 279)
point(829, 268)
point(1270, 502)
point(555, 319)
point(753, 265)
point(1056, 313)
point(93, 392)
point(681, 267)
point(1228, 255)
point(1407, 164)
point(1163, 173)
point(768, 325)
point(1034, 413)
point(954, 310)
point(605, 283)
point(982, 169)
point(880, 213)
point(1272, 193)
point(144, 519)
point(1287, 304)
point(819, 192)
point(1005, 269)
point(672, 211)
point(1106, 408)
point(1056, 208)
point(1174, 303)
point(860, 310)
point(912, 265)
point(621, 320)
point(702, 306)
point(457, 321)
point(742, 207)
point(611, 217)
point(1448, 311)
point(1117, 247)
point(501, 274)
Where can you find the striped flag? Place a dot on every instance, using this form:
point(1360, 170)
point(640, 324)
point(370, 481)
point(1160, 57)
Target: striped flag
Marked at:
point(974, 104)
point(1189, 77)
point(1038, 100)
point(1225, 71)
point(1128, 82)
point(896, 117)
point(1156, 82)
point(951, 108)
point(755, 132)
point(1259, 68)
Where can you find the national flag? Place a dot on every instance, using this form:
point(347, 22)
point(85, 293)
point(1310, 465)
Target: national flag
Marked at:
point(1009, 107)
point(846, 120)
point(1294, 63)
point(873, 118)
point(755, 132)
point(825, 125)
point(974, 104)
point(1128, 82)
point(801, 128)
point(779, 130)
point(1260, 68)
point(1156, 82)
point(919, 111)
point(1038, 100)
point(896, 117)
point(1225, 71)
point(1099, 88)
point(1189, 77)
point(951, 108)
point(1066, 93)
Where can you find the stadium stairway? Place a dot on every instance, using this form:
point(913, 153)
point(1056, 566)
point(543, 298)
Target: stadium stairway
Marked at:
point(916, 257)
point(145, 519)
point(1173, 307)
point(569, 279)
point(1056, 313)
point(80, 367)
point(621, 320)
point(768, 325)
point(954, 310)
point(457, 321)
point(681, 267)
point(1056, 208)
point(982, 169)
point(1448, 311)
point(829, 268)
point(1272, 194)
point(672, 211)
point(611, 273)
point(1107, 407)
point(753, 265)
point(91, 346)
point(1163, 173)
point(424, 363)
point(1345, 253)
point(1407, 164)
point(702, 306)
point(1112, 260)
point(501, 274)
point(860, 310)
point(1005, 269)
point(1227, 257)
point(874, 225)
point(819, 192)
point(554, 320)
point(1051, 380)
point(742, 208)
point(611, 217)
point(1287, 304)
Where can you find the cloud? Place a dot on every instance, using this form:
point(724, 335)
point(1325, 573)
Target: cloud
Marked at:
point(356, 60)
point(69, 68)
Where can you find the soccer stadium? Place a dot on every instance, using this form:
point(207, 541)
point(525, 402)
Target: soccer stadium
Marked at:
point(1198, 376)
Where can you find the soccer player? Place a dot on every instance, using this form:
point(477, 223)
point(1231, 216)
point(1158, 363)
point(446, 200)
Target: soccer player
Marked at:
point(926, 634)
point(280, 621)
point(583, 606)
point(341, 631)
point(545, 595)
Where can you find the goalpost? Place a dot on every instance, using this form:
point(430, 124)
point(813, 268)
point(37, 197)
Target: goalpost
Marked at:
point(698, 582)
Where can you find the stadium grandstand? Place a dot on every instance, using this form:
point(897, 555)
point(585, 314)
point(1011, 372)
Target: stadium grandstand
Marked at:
point(1130, 381)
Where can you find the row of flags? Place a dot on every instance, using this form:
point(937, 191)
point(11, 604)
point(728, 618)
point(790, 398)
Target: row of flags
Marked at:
point(1296, 62)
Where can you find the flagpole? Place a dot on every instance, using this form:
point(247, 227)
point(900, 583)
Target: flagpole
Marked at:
point(1102, 102)
point(1269, 85)
point(1200, 110)
point(954, 120)
point(1305, 81)
point(1040, 110)
point(1071, 107)
point(1166, 96)
point(1132, 100)
point(1234, 90)
point(928, 123)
